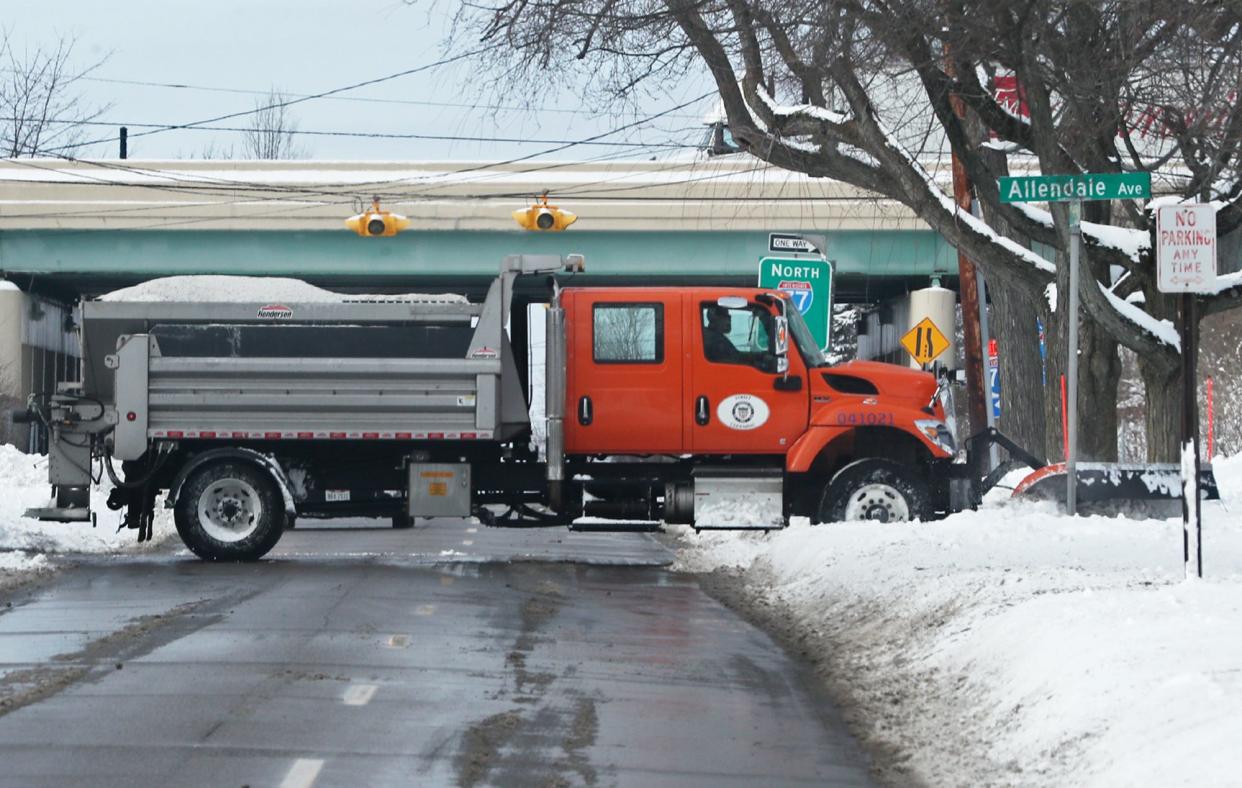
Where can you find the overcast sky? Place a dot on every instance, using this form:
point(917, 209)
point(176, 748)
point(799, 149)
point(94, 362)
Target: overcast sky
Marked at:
point(301, 47)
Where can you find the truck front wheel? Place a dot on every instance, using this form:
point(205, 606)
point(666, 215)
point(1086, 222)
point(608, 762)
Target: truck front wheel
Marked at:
point(875, 489)
point(229, 511)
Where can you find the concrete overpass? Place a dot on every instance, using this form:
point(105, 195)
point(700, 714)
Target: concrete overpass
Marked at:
point(83, 227)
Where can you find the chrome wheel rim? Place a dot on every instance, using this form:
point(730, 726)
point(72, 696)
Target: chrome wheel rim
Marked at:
point(877, 502)
point(229, 510)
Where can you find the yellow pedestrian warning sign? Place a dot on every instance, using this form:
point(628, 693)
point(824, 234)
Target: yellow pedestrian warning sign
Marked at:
point(925, 342)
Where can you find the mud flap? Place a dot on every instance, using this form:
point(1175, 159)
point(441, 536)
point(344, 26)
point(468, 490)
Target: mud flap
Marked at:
point(1099, 482)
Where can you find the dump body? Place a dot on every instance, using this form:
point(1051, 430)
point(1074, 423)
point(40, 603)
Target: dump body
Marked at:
point(375, 371)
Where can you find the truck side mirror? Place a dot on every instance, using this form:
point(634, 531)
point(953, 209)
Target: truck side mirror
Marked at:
point(781, 327)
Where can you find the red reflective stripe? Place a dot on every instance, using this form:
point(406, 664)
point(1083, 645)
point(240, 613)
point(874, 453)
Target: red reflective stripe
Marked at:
point(272, 435)
point(370, 435)
point(336, 435)
point(435, 435)
point(470, 435)
point(176, 434)
point(206, 435)
point(404, 436)
point(239, 434)
point(305, 435)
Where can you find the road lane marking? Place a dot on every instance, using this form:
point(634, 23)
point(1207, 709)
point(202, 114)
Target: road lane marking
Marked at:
point(359, 694)
point(472, 530)
point(302, 773)
point(397, 641)
point(425, 610)
point(467, 542)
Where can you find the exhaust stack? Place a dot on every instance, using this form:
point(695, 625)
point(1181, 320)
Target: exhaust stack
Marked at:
point(554, 403)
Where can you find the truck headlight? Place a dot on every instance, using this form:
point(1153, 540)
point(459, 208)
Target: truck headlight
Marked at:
point(938, 433)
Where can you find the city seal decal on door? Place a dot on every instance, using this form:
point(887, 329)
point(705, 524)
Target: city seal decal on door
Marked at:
point(742, 412)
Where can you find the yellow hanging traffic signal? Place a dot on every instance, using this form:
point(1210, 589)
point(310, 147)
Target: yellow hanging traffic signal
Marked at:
point(377, 223)
point(542, 217)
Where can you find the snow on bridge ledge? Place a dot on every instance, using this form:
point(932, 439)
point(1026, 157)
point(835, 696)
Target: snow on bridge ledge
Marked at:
point(681, 192)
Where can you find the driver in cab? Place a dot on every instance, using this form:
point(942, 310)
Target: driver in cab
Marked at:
point(716, 344)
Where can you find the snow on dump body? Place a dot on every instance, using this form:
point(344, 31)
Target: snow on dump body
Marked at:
point(254, 289)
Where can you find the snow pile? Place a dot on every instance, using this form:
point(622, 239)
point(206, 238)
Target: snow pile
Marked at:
point(24, 542)
point(256, 289)
point(1014, 645)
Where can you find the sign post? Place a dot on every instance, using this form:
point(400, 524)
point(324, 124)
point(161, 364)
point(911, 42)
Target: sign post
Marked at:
point(1074, 189)
point(1071, 409)
point(1186, 264)
point(807, 280)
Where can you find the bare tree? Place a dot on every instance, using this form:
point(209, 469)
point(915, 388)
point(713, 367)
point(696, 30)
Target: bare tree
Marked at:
point(868, 91)
point(272, 129)
point(42, 111)
point(625, 333)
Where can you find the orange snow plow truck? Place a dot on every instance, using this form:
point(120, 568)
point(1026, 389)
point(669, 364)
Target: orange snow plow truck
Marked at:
point(711, 406)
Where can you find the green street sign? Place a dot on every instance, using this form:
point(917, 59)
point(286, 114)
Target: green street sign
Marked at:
point(1068, 188)
point(808, 281)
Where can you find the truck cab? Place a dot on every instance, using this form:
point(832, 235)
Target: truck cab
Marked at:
point(731, 378)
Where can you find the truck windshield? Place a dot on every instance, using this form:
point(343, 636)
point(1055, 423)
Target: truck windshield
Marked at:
point(807, 345)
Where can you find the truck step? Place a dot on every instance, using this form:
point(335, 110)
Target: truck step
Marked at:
point(60, 514)
point(617, 527)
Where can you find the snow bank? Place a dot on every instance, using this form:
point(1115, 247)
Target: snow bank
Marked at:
point(24, 543)
point(1017, 646)
point(245, 289)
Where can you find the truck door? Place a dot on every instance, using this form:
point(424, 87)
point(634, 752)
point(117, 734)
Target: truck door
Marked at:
point(737, 401)
point(624, 386)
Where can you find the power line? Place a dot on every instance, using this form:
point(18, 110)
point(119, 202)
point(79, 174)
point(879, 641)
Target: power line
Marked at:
point(588, 139)
point(373, 134)
point(309, 97)
point(268, 191)
point(359, 99)
point(372, 186)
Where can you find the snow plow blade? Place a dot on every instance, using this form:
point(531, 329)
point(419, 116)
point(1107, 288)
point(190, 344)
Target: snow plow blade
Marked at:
point(1109, 481)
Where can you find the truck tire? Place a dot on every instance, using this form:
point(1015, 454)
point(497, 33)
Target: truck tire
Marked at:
point(875, 489)
point(229, 511)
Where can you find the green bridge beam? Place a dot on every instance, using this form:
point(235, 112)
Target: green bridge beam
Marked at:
point(323, 254)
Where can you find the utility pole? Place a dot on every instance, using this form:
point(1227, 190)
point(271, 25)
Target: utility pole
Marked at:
point(1071, 366)
point(124, 142)
point(977, 398)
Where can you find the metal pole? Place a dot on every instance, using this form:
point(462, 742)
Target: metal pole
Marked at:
point(1191, 516)
point(1071, 464)
point(124, 143)
point(985, 337)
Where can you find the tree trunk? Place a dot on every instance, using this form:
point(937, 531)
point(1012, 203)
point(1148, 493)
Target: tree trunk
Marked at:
point(1162, 387)
point(1013, 323)
point(1162, 412)
point(1099, 371)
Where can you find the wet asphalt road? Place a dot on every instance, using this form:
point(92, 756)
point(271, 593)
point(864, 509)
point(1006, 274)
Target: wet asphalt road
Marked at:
point(439, 656)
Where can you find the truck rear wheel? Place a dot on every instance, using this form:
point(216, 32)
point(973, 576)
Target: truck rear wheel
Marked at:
point(229, 511)
point(875, 489)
